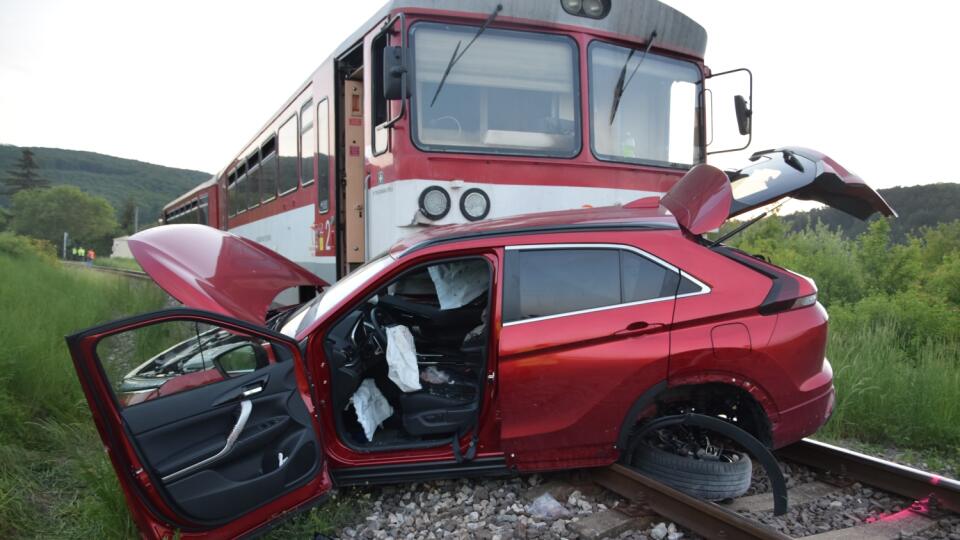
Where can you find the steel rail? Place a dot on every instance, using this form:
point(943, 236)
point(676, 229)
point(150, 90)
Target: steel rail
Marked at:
point(880, 473)
point(702, 517)
point(108, 270)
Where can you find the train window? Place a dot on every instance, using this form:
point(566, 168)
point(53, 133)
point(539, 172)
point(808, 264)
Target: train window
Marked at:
point(323, 157)
point(203, 217)
point(379, 103)
point(268, 170)
point(241, 191)
point(655, 122)
point(231, 194)
point(253, 180)
point(308, 144)
point(511, 93)
point(287, 177)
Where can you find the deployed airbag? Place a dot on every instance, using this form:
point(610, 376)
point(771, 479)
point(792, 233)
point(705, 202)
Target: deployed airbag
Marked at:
point(459, 283)
point(371, 406)
point(402, 359)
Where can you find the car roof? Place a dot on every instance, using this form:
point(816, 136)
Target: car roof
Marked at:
point(644, 214)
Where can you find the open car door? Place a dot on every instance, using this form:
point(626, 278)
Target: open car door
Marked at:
point(208, 421)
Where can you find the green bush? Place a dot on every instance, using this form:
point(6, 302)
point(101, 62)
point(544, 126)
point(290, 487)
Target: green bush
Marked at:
point(894, 325)
point(23, 246)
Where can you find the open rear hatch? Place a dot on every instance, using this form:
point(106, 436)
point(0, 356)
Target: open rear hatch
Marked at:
point(706, 196)
point(807, 175)
point(213, 270)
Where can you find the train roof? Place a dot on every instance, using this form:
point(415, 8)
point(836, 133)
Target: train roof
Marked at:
point(635, 19)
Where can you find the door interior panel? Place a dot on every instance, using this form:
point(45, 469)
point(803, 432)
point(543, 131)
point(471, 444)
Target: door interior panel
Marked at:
point(275, 451)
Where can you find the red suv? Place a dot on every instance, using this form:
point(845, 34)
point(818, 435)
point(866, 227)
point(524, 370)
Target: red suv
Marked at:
point(525, 344)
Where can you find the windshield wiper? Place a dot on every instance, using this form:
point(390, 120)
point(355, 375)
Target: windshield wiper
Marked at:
point(456, 57)
point(623, 82)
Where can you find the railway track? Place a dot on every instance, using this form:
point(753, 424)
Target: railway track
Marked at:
point(919, 500)
point(108, 270)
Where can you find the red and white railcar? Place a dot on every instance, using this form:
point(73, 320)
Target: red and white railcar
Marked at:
point(199, 205)
point(438, 112)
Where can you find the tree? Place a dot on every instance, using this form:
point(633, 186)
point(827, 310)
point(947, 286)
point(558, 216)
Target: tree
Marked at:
point(24, 176)
point(127, 215)
point(48, 213)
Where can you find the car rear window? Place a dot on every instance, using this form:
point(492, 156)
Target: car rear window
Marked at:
point(546, 282)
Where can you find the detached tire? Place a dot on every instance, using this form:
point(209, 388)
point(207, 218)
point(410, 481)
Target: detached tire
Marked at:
point(710, 480)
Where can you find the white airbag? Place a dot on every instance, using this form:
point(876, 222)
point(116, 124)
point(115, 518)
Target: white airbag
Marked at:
point(458, 283)
point(402, 359)
point(371, 407)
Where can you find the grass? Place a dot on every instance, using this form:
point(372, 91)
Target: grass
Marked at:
point(889, 393)
point(55, 480)
point(118, 262)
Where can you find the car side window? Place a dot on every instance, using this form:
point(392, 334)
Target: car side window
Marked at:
point(170, 357)
point(546, 282)
point(643, 279)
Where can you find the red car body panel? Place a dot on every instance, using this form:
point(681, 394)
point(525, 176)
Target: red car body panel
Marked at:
point(214, 270)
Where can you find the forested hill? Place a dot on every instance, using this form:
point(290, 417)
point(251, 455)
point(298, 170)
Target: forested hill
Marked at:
point(918, 206)
point(116, 179)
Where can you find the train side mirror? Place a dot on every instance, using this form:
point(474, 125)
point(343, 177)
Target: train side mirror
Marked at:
point(744, 114)
point(393, 70)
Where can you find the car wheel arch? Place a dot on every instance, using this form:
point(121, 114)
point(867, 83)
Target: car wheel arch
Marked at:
point(760, 405)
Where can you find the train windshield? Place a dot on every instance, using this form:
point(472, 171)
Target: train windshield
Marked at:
point(509, 92)
point(655, 121)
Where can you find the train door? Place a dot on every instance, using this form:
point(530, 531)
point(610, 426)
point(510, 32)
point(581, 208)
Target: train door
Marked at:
point(350, 192)
point(354, 190)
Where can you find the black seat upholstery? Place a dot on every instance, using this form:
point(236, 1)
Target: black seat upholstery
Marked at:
point(442, 408)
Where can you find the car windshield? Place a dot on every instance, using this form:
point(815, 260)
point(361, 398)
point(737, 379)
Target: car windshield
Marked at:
point(313, 310)
point(655, 121)
point(511, 92)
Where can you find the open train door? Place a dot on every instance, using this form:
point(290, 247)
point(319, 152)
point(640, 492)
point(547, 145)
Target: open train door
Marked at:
point(350, 146)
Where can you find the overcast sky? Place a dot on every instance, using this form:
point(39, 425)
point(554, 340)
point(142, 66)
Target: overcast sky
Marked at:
point(187, 83)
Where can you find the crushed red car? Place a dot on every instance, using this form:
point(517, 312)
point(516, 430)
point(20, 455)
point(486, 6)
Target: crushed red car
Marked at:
point(532, 343)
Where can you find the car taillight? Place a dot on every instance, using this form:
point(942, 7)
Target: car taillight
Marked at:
point(775, 306)
point(788, 290)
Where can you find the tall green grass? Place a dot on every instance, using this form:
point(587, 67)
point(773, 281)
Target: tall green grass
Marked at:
point(55, 479)
point(889, 393)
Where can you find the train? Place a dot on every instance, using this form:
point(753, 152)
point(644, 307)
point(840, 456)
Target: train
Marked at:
point(443, 112)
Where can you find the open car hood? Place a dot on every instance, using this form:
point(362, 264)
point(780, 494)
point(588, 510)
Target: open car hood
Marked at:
point(209, 269)
point(803, 174)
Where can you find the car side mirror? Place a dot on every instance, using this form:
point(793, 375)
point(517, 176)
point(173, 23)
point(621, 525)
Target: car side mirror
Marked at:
point(744, 114)
point(393, 70)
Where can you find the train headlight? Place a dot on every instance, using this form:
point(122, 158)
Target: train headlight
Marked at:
point(572, 6)
point(434, 202)
point(474, 204)
point(596, 9)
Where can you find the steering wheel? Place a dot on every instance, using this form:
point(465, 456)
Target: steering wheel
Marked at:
point(378, 328)
point(453, 119)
